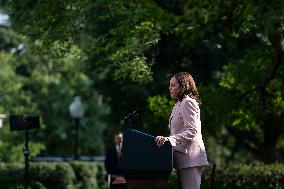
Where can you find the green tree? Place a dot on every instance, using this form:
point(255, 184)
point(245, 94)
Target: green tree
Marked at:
point(12, 100)
point(145, 41)
point(45, 86)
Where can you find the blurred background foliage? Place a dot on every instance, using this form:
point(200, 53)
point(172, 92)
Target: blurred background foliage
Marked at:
point(118, 56)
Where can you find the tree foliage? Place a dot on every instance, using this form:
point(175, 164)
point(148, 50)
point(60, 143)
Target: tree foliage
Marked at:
point(45, 86)
point(234, 50)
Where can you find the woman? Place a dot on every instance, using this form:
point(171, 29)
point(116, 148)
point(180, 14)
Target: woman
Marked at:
point(185, 131)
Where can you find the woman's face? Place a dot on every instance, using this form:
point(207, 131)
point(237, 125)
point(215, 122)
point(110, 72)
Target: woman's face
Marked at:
point(174, 88)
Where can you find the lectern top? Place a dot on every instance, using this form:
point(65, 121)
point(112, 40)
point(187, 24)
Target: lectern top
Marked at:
point(142, 158)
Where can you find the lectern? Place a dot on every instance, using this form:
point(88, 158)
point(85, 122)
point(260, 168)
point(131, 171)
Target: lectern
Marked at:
point(144, 165)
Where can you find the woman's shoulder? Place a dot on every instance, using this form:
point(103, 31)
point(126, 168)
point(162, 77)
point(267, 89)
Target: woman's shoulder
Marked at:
point(190, 102)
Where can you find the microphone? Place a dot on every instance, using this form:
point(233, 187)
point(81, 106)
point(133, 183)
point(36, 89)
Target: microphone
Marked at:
point(133, 114)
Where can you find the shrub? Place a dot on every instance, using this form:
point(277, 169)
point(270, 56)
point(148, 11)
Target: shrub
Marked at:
point(53, 175)
point(11, 175)
point(60, 175)
point(88, 175)
point(256, 176)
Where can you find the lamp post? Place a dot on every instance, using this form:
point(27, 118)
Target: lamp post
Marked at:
point(76, 110)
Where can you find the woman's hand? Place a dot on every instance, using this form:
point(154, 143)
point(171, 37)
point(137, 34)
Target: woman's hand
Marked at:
point(160, 140)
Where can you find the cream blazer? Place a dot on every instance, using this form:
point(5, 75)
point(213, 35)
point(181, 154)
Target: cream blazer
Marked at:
point(185, 135)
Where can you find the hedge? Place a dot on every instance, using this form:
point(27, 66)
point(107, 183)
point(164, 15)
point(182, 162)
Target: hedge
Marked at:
point(256, 176)
point(239, 176)
point(90, 175)
point(60, 175)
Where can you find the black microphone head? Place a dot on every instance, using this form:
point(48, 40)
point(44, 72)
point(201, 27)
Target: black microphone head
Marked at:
point(134, 114)
point(138, 111)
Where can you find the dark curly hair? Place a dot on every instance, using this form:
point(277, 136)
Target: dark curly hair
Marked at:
point(187, 86)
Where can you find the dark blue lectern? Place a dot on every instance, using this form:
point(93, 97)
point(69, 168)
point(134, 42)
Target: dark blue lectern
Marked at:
point(143, 159)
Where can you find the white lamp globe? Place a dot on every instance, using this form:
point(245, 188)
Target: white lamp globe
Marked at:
point(76, 108)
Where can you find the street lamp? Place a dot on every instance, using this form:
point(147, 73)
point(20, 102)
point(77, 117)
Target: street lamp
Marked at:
point(76, 110)
point(2, 117)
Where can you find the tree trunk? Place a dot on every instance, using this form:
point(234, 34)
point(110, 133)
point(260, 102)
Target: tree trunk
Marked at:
point(271, 134)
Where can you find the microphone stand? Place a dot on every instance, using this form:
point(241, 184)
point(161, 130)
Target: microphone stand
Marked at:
point(129, 121)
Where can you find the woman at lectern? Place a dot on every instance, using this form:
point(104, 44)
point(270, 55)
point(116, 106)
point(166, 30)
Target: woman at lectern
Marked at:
point(185, 131)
